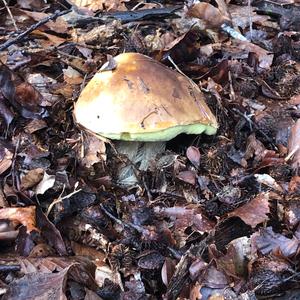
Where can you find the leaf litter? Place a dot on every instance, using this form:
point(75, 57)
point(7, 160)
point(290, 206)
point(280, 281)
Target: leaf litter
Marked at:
point(214, 217)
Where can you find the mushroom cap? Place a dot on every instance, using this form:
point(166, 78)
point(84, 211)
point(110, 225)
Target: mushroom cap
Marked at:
point(143, 100)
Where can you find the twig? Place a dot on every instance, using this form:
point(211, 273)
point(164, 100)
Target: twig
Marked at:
point(33, 27)
point(60, 198)
point(10, 14)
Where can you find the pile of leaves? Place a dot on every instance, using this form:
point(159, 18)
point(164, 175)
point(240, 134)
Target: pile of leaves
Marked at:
point(213, 217)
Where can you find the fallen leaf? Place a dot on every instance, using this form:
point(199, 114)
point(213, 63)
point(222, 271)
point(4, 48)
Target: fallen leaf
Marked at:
point(22, 215)
point(35, 125)
point(59, 25)
point(71, 76)
point(187, 176)
point(45, 184)
point(5, 112)
point(193, 154)
point(267, 241)
point(255, 211)
point(32, 178)
point(150, 260)
point(6, 158)
point(93, 151)
point(46, 286)
point(269, 181)
point(211, 15)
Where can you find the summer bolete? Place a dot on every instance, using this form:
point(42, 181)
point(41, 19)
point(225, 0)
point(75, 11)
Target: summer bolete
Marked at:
point(142, 103)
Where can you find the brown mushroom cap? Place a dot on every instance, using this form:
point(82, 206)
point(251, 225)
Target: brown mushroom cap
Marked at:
point(143, 100)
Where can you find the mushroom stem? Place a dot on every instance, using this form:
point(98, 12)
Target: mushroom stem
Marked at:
point(140, 154)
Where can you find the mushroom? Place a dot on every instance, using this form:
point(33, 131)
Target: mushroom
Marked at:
point(141, 103)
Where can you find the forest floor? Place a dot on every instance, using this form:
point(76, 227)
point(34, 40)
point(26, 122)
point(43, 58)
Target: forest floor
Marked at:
point(214, 217)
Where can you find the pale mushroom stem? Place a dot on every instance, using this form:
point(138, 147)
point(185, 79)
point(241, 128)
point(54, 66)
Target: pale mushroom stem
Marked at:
point(141, 154)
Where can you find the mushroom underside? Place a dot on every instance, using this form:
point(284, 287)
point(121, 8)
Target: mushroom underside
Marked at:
point(162, 135)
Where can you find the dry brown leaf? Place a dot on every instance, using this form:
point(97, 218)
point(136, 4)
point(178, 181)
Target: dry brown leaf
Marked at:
point(186, 217)
point(35, 125)
point(167, 270)
point(71, 76)
point(83, 250)
point(22, 215)
point(59, 25)
point(52, 40)
point(265, 58)
point(295, 100)
point(32, 178)
point(294, 185)
point(254, 149)
point(213, 17)
point(255, 211)
point(5, 159)
point(94, 150)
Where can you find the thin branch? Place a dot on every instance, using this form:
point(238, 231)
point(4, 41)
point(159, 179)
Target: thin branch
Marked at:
point(21, 36)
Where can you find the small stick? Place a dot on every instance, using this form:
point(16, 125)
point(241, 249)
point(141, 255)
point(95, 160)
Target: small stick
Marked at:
point(10, 14)
point(20, 37)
